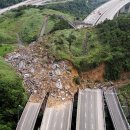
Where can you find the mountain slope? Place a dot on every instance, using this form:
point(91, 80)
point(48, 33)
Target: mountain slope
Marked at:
point(6, 3)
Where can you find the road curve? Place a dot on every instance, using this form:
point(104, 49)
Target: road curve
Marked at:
point(90, 111)
point(98, 12)
point(113, 11)
point(27, 2)
point(57, 118)
point(105, 11)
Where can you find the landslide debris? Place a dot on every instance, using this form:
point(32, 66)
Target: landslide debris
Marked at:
point(41, 74)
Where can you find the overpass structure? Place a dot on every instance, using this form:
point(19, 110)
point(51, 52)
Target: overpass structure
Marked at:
point(29, 116)
point(26, 3)
point(105, 11)
point(58, 117)
point(118, 118)
point(90, 111)
point(30, 113)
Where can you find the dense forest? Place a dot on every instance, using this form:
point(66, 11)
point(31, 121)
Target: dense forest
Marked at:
point(12, 96)
point(116, 34)
point(108, 43)
point(6, 3)
point(87, 48)
point(78, 8)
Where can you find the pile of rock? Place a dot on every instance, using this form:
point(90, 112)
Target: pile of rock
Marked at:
point(41, 74)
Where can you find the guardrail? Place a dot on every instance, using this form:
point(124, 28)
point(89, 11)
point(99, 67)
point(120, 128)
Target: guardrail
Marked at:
point(103, 110)
point(122, 112)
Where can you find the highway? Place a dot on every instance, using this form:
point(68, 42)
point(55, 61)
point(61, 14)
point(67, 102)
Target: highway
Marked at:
point(29, 116)
point(113, 11)
point(105, 11)
point(58, 117)
point(90, 110)
point(98, 12)
point(27, 2)
point(117, 115)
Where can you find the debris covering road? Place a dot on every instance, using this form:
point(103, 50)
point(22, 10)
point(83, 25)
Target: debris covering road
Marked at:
point(41, 74)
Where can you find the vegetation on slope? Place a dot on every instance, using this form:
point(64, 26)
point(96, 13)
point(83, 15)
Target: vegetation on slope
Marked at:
point(5, 3)
point(124, 96)
point(6, 48)
point(116, 34)
point(78, 8)
point(108, 43)
point(27, 23)
point(11, 96)
point(87, 48)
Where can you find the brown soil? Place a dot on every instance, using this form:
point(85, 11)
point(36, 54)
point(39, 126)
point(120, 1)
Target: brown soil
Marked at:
point(124, 80)
point(41, 74)
point(94, 74)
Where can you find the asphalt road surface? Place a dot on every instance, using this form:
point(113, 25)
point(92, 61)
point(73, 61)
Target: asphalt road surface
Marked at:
point(98, 12)
point(90, 111)
point(116, 115)
point(105, 11)
point(27, 2)
point(57, 118)
point(113, 10)
point(29, 116)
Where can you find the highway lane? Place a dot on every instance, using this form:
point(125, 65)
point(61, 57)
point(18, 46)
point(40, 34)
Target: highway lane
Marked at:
point(29, 116)
point(118, 8)
point(90, 110)
point(98, 12)
point(114, 109)
point(58, 117)
point(27, 2)
point(113, 11)
point(14, 6)
point(105, 11)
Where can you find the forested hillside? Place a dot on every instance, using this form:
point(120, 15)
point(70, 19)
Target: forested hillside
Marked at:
point(5, 3)
point(108, 43)
point(12, 93)
point(79, 8)
point(87, 48)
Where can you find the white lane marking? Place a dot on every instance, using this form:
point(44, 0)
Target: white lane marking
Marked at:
point(92, 126)
point(55, 119)
point(56, 114)
point(55, 124)
point(85, 105)
point(78, 111)
point(85, 114)
point(91, 97)
point(91, 105)
point(91, 116)
point(100, 111)
point(49, 119)
point(61, 125)
point(26, 115)
point(85, 125)
point(63, 114)
point(86, 96)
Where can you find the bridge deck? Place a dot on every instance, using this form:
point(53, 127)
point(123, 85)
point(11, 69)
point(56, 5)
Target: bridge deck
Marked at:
point(29, 116)
point(106, 11)
point(90, 110)
point(57, 118)
point(117, 115)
